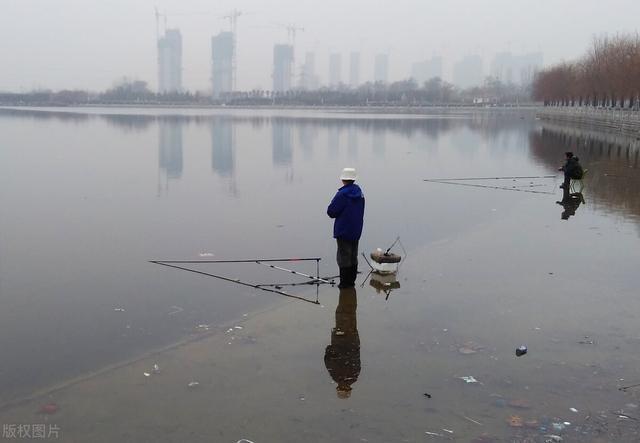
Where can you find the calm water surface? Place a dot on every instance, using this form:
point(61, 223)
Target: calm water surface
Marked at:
point(89, 197)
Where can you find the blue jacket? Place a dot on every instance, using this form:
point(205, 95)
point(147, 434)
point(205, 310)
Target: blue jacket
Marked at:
point(347, 207)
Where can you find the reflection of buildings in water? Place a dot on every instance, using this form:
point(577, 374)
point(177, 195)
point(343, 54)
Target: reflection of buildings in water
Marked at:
point(282, 150)
point(352, 143)
point(611, 160)
point(223, 147)
point(342, 356)
point(169, 152)
point(333, 141)
point(307, 134)
point(379, 143)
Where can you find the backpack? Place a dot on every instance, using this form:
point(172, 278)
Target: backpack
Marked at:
point(576, 172)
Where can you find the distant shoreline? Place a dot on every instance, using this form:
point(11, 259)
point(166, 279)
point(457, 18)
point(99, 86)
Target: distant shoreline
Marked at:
point(390, 110)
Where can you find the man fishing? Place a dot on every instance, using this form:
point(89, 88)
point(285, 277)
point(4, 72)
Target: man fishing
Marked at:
point(347, 208)
point(572, 170)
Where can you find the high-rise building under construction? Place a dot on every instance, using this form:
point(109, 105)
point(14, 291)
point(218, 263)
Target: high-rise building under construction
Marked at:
point(282, 67)
point(308, 77)
point(335, 70)
point(354, 69)
point(222, 63)
point(170, 62)
point(381, 68)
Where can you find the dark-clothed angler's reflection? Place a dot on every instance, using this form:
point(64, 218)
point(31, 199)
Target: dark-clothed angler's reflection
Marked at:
point(570, 202)
point(169, 153)
point(222, 147)
point(342, 356)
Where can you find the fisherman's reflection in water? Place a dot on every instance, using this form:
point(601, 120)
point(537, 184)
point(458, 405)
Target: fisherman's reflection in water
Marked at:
point(570, 202)
point(342, 356)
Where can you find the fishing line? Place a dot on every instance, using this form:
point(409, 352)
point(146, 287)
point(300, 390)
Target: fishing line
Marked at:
point(232, 280)
point(490, 187)
point(490, 178)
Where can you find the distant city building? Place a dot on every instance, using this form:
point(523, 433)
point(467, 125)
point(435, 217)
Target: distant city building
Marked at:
point(381, 68)
point(354, 69)
point(468, 72)
point(282, 67)
point(222, 63)
point(170, 62)
point(335, 69)
point(427, 69)
point(309, 79)
point(517, 69)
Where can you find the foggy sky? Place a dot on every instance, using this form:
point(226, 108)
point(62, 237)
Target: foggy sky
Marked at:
point(91, 43)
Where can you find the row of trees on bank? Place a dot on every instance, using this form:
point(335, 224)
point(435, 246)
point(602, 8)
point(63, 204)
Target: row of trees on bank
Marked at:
point(433, 92)
point(608, 75)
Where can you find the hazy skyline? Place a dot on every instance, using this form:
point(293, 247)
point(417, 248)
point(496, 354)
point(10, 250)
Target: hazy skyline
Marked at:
point(90, 44)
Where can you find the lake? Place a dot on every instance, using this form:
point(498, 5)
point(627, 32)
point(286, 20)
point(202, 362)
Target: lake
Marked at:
point(90, 196)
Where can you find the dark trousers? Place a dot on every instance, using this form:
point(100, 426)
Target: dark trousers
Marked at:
point(347, 258)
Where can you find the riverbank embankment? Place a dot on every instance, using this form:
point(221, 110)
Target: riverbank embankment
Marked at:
point(622, 121)
point(404, 111)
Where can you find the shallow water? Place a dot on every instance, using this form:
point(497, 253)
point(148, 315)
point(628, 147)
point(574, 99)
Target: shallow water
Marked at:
point(89, 198)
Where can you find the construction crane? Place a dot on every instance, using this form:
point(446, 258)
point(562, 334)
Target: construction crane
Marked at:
point(292, 30)
point(158, 14)
point(291, 33)
point(233, 27)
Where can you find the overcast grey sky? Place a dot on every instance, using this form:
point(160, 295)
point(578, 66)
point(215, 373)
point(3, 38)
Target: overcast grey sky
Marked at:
point(90, 43)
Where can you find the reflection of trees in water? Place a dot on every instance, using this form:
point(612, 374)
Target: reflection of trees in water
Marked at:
point(488, 123)
point(612, 180)
point(33, 114)
point(130, 123)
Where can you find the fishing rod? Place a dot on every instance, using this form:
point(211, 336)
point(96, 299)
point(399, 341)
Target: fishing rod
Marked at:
point(313, 279)
point(308, 283)
point(392, 245)
point(490, 178)
point(317, 259)
point(490, 187)
point(232, 280)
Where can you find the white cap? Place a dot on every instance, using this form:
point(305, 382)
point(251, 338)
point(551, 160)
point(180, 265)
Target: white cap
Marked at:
point(348, 174)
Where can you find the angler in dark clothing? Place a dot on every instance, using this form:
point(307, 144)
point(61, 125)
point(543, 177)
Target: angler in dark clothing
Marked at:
point(572, 169)
point(342, 356)
point(347, 208)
